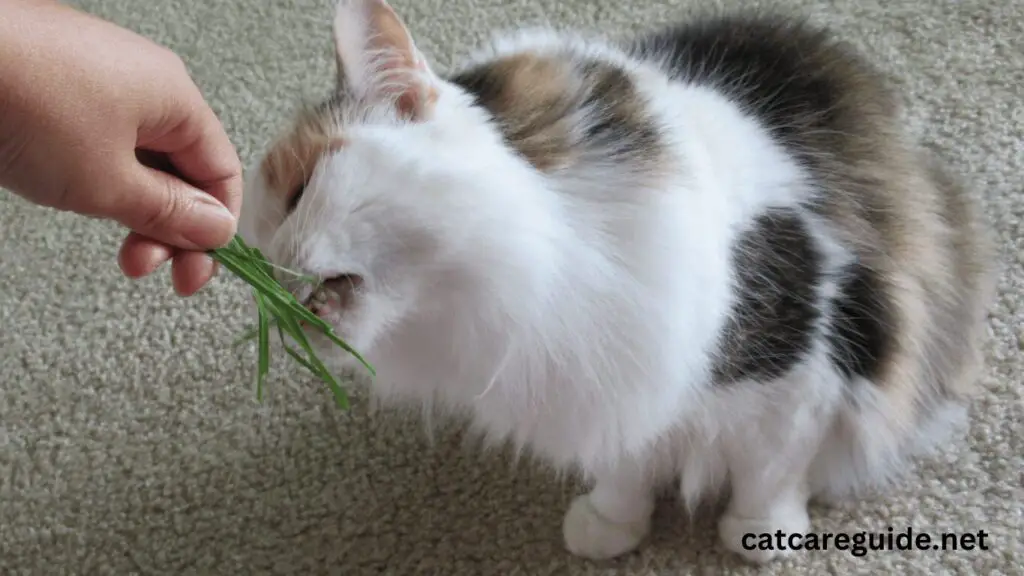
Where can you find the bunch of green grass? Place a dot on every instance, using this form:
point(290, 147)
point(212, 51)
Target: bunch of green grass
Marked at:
point(276, 306)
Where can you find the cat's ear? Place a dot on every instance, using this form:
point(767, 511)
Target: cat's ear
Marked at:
point(378, 60)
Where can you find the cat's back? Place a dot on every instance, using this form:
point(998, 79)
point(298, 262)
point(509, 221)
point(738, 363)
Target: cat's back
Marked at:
point(812, 91)
point(911, 297)
point(606, 114)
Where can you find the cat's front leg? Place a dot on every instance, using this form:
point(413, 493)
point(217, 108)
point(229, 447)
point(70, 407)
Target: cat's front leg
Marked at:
point(613, 518)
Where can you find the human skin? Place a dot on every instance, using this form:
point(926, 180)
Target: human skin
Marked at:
point(100, 121)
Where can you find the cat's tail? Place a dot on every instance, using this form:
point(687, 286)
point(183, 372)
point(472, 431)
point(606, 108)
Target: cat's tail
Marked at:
point(923, 398)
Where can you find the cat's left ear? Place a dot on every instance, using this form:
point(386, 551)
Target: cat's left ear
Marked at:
point(378, 60)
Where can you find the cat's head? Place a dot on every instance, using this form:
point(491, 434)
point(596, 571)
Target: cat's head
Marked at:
point(378, 188)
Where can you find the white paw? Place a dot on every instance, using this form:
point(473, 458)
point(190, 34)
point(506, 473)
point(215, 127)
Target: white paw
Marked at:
point(756, 539)
point(590, 535)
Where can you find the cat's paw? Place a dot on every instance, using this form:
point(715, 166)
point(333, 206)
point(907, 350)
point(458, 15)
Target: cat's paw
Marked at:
point(590, 535)
point(749, 537)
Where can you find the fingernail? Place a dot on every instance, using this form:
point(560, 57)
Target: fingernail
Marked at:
point(214, 223)
point(217, 210)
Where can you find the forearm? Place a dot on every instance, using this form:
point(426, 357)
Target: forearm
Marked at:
point(29, 41)
point(34, 34)
point(26, 28)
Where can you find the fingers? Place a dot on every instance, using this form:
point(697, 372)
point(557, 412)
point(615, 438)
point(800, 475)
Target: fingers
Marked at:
point(198, 147)
point(185, 154)
point(140, 256)
point(164, 208)
point(190, 271)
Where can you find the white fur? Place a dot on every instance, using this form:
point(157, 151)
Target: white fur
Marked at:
point(572, 320)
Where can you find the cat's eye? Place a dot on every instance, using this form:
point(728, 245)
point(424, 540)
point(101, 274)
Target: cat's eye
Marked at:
point(296, 195)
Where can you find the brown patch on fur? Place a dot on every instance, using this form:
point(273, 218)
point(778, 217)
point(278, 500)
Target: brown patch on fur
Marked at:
point(559, 110)
point(531, 98)
point(288, 165)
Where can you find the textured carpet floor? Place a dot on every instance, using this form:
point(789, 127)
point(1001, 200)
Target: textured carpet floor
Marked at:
point(130, 441)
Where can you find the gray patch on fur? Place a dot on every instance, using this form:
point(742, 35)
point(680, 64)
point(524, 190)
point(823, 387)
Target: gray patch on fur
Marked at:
point(772, 326)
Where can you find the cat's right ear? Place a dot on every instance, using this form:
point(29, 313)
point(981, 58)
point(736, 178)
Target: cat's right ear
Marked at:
point(377, 59)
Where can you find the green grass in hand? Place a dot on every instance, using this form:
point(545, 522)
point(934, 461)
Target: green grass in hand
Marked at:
point(278, 308)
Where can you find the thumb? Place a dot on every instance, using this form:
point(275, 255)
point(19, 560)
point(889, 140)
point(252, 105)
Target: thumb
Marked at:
point(165, 208)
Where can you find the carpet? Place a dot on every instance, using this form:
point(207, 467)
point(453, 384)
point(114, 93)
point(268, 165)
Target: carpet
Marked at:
point(131, 441)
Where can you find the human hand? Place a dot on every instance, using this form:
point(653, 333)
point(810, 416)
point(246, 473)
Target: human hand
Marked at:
point(97, 120)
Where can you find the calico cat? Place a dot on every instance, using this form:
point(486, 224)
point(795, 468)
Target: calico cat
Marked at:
point(708, 257)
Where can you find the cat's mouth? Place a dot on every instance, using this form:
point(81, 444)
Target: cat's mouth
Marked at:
point(331, 297)
point(321, 301)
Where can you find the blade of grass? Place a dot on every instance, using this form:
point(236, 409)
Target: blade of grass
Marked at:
point(277, 306)
point(237, 266)
point(306, 315)
point(288, 324)
point(296, 332)
point(341, 344)
point(341, 399)
point(251, 333)
point(291, 326)
point(325, 328)
point(267, 266)
point(264, 346)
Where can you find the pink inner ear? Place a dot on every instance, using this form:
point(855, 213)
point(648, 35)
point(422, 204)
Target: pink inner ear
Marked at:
point(416, 101)
point(414, 94)
point(388, 32)
point(335, 143)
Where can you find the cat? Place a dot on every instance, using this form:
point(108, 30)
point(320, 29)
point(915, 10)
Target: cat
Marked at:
point(707, 257)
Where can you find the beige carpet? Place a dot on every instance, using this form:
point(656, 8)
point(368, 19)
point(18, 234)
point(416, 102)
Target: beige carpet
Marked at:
point(131, 443)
